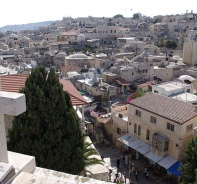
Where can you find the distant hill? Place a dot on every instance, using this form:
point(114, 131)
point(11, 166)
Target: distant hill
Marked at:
point(29, 26)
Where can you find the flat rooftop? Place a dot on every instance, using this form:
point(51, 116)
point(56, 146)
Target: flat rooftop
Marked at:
point(169, 86)
point(186, 97)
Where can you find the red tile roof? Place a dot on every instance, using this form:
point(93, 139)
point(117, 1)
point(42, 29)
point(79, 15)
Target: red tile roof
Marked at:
point(169, 108)
point(69, 33)
point(122, 82)
point(76, 97)
point(70, 68)
point(12, 83)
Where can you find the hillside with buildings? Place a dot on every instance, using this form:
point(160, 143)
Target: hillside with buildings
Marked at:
point(29, 26)
point(132, 82)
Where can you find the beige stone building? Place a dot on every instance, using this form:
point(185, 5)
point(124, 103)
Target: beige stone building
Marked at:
point(170, 119)
point(190, 52)
point(158, 129)
point(81, 60)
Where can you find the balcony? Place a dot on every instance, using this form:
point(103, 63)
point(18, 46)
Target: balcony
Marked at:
point(160, 145)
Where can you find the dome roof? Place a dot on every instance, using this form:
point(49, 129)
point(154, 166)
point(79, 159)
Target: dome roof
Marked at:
point(101, 55)
point(25, 38)
point(176, 57)
point(61, 54)
point(186, 77)
point(144, 54)
point(138, 59)
point(78, 56)
point(80, 38)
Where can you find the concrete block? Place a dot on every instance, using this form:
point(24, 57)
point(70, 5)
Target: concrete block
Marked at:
point(12, 103)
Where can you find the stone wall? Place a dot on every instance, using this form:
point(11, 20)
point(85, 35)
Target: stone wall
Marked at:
point(165, 74)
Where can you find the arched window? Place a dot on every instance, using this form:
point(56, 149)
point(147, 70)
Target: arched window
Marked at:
point(147, 134)
point(135, 128)
point(139, 130)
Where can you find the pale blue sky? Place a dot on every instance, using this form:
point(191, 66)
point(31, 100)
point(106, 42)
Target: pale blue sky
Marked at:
point(26, 11)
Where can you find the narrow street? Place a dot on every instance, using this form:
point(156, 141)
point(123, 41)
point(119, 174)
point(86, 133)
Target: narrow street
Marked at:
point(111, 154)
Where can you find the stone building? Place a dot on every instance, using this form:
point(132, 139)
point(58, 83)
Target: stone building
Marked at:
point(138, 68)
point(173, 120)
point(158, 129)
point(81, 60)
point(190, 52)
point(59, 59)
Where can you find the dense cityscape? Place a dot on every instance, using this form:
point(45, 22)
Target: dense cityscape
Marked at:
point(100, 100)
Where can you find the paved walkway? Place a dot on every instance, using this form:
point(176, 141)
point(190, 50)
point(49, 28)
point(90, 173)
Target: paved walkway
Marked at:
point(111, 154)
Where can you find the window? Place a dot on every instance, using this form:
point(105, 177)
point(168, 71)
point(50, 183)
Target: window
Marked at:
point(139, 130)
point(188, 90)
point(145, 71)
point(189, 127)
point(114, 31)
point(147, 134)
point(170, 127)
point(111, 31)
point(155, 91)
point(166, 145)
point(135, 128)
point(119, 131)
point(138, 113)
point(153, 119)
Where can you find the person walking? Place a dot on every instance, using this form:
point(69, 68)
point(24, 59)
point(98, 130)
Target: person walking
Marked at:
point(133, 170)
point(136, 175)
point(145, 171)
point(147, 175)
point(118, 163)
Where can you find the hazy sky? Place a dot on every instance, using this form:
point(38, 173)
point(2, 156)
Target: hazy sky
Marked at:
point(26, 11)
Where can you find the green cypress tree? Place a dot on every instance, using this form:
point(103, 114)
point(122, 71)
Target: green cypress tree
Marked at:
point(49, 129)
point(188, 169)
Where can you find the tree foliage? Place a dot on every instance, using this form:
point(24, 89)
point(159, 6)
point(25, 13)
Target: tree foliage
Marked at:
point(189, 169)
point(118, 16)
point(160, 42)
point(170, 44)
point(49, 129)
point(89, 156)
point(136, 16)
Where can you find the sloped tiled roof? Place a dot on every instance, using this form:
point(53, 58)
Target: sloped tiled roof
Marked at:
point(76, 97)
point(122, 81)
point(166, 107)
point(12, 83)
point(70, 68)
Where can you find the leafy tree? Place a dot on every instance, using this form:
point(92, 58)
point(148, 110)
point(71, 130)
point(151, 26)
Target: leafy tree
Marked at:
point(141, 92)
point(188, 170)
point(118, 16)
point(170, 44)
point(154, 21)
point(49, 129)
point(89, 156)
point(136, 16)
point(72, 50)
point(160, 42)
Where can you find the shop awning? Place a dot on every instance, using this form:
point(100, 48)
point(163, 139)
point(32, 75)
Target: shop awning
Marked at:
point(167, 162)
point(153, 156)
point(143, 148)
point(135, 143)
point(174, 169)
